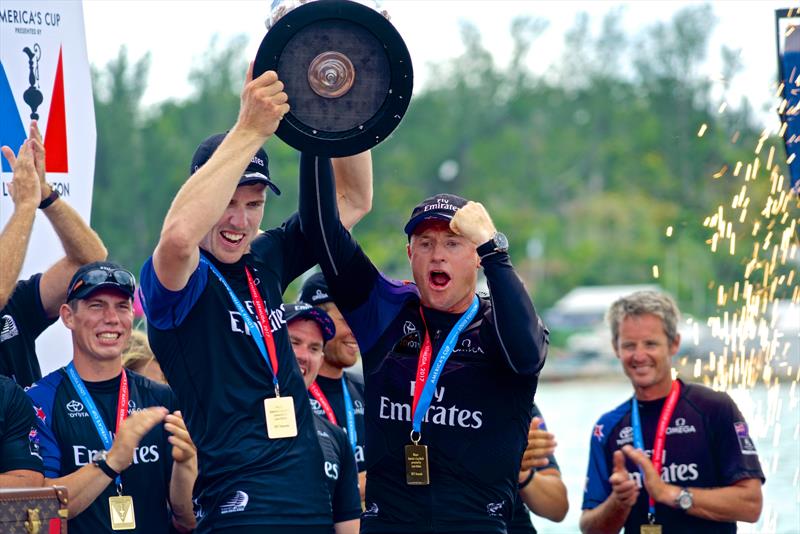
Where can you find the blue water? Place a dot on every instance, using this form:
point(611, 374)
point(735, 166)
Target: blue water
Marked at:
point(571, 408)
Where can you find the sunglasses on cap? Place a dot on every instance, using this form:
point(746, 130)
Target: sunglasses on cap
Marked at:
point(86, 282)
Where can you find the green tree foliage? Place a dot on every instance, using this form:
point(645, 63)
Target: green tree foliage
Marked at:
point(584, 167)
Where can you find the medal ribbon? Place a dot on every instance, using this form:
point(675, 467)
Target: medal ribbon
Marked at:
point(317, 393)
point(661, 433)
point(350, 413)
point(425, 382)
point(267, 351)
point(91, 407)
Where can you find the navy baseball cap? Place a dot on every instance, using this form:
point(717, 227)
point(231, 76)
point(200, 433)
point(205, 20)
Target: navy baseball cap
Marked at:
point(98, 275)
point(438, 207)
point(315, 290)
point(257, 170)
point(301, 310)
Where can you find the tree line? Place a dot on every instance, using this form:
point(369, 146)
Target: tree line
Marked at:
point(584, 167)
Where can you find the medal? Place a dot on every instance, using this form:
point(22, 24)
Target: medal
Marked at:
point(121, 508)
point(281, 422)
point(650, 529)
point(428, 373)
point(417, 465)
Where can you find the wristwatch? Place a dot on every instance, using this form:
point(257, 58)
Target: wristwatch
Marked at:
point(498, 243)
point(100, 460)
point(52, 197)
point(684, 500)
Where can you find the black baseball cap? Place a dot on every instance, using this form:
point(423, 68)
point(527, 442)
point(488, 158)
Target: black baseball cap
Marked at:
point(98, 275)
point(301, 310)
point(315, 290)
point(438, 207)
point(257, 170)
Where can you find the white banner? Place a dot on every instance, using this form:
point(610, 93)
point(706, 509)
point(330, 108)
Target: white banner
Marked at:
point(44, 75)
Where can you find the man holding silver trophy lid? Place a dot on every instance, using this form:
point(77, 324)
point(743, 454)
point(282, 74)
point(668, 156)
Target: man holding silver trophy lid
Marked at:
point(212, 293)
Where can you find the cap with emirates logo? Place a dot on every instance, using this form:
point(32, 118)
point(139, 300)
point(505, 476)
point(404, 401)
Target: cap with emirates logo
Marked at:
point(301, 310)
point(438, 207)
point(257, 170)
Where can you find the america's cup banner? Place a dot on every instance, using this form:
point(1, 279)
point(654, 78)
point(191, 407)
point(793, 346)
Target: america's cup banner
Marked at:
point(44, 75)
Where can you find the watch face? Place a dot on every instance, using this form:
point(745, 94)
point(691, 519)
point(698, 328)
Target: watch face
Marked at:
point(500, 241)
point(685, 500)
point(99, 455)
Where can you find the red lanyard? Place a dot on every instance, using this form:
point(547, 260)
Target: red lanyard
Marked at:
point(423, 365)
point(661, 430)
point(317, 393)
point(261, 312)
point(122, 401)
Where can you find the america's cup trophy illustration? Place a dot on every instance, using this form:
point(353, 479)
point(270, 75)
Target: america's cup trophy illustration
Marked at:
point(32, 95)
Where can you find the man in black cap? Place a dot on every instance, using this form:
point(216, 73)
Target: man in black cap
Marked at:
point(336, 394)
point(28, 307)
point(310, 329)
point(99, 425)
point(450, 377)
point(213, 298)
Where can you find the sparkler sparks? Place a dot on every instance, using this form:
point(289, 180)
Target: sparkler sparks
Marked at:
point(757, 323)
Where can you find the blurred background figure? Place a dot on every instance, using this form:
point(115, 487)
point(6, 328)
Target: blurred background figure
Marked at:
point(140, 359)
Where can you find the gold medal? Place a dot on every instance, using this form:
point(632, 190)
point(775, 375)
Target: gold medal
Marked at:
point(281, 422)
point(650, 529)
point(417, 465)
point(121, 508)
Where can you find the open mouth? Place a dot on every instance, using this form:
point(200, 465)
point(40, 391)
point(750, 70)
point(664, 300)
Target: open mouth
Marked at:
point(439, 279)
point(108, 337)
point(234, 238)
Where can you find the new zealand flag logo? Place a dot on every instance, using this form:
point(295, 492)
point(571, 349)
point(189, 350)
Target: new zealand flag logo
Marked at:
point(12, 130)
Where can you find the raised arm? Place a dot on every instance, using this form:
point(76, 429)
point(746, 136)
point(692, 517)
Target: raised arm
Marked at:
point(26, 194)
point(353, 176)
point(349, 273)
point(522, 336)
point(203, 198)
point(81, 244)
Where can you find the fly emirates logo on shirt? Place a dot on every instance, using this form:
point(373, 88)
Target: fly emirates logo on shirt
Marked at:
point(670, 473)
point(438, 413)
point(238, 325)
point(143, 454)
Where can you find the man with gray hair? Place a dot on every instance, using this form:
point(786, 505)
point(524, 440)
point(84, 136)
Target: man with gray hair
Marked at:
point(676, 456)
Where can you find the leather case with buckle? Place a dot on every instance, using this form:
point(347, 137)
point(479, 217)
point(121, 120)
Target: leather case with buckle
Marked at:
point(33, 510)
